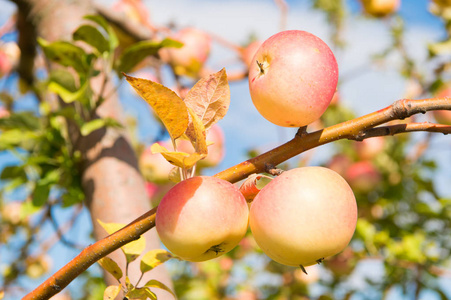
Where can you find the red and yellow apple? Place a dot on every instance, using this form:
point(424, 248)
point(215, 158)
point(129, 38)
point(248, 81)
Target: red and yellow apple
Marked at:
point(370, 148)
point(443, 116)
point(249, 51)
point(189, 59)
point(292, 78)
point(202, 218)
point(363, 176)
point(304, 215)
point(381, 8)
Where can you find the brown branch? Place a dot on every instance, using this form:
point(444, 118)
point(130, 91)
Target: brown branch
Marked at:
point(301, 142)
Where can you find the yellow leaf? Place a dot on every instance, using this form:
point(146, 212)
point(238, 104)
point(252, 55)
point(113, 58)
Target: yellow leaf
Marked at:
point(179, 159)
point(196, 133)
point(111, 292)
point(210, 98)
point(154, 258)
point(141, 294)
point(169, 107)
point(111, 267)
point(131, 250)
point(160, 285)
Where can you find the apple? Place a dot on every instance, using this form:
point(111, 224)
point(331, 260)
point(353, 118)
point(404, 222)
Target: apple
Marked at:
point(293, 78)
point(154, 167)
point(443, 116)
point(249, 51)
point(304, 215)
point(370, 148)
point(202, 218)
point(339, 163)
point(189, 59)
point(9, 57)
point(342, 264)
point(381, 8)
point(363, 176)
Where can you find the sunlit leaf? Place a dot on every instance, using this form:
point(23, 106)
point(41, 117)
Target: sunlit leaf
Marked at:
point(68, 96)
point(169, 107)
point(66, 54)
point(210, 98)
point(111, 292)
point(131, 250)
point(134, 54)
point(111, 267)
point(154, 258)
point(196, 133)
point(112, 38)
point(179, 159)
point(141, 294)
point(92, 36)
point(160, 285)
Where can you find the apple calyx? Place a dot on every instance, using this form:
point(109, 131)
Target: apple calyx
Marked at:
point(216, 249)
point(263, 67)
point(318, 261)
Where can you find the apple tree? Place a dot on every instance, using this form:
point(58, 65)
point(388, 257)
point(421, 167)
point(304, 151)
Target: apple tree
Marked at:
point(367, 220)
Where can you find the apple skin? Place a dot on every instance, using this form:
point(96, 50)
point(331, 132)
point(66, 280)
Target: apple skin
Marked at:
point(304, 215)
point(249, 51)
point(370, 148)
point(189, 59)
point(293, 78)
point(381, 8)
point(363, 176)
point(202, 218)
point(443, 116)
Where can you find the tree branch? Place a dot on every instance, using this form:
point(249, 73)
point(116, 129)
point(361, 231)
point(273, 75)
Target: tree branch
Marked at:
point(352, 129)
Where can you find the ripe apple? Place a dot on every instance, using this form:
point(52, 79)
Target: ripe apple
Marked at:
point(363, 176)
point(304, 215)
point(249, 51)
point(443, 116)
point(370, 148)
point(189, 59)
point(293, 78)
point(155, 167)
point(380, 8)
point(202, 218)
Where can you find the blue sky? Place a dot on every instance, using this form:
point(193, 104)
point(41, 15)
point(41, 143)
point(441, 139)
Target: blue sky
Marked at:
point(369, 90)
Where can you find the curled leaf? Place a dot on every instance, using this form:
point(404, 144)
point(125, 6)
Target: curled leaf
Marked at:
point(169, 107)
point(210, 98)
point(252, 186)
point(196, 133)
point(179, 159)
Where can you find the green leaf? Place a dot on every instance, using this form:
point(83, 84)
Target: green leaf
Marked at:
point(111, 267)
point(169, 107)
point(69, 96)
point(111, 292)
point(154, 258)
point(131, 250)
point(21, 120)
point(73, 195)
point(95, 124)
point(160, 285)
point(113, 40)
point(92, 36)
point(15, 137)
point(66, 54)
point(40, 194)
point(134, 54)
point(12, 172)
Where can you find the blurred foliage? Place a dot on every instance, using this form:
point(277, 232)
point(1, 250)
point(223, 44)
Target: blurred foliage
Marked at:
point(403, 231)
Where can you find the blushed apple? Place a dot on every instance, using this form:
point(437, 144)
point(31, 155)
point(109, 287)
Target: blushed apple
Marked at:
point(381, 8)
point(304, 215)
point(293, 78)
point(363, 176)
point(202, 218)
point(370, 148)
point(189, 59)
point(443, 116)
point(249, 51)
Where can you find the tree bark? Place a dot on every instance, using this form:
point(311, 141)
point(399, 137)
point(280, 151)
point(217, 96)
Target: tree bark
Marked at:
point(113, 185)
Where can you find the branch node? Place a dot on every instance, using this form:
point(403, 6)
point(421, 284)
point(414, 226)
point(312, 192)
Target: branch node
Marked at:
point(302, 131)
point(402, 109)
point(271, 169)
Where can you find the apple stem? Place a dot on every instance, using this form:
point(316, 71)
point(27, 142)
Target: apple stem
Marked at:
point(319, 261)
point(260, 66)
point(271, 169)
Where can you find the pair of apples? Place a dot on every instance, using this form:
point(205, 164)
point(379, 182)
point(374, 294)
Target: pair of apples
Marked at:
point(301, 216)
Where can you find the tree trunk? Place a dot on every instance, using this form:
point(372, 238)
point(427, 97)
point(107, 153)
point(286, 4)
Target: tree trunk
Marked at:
point(113, 185)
